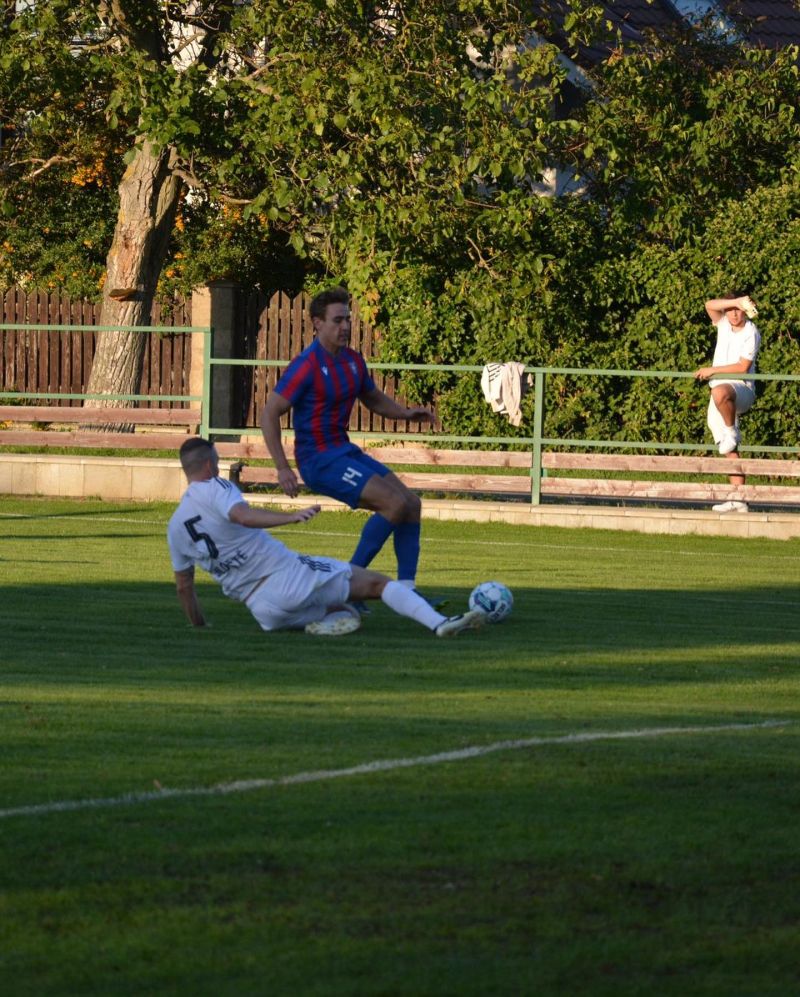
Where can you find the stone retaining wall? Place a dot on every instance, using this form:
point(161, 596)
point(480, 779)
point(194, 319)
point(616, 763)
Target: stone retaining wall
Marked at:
point(142, 479)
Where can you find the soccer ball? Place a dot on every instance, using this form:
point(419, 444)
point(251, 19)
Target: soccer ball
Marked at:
point(494, 598)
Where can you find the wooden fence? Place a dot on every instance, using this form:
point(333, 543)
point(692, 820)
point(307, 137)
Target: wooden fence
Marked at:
point(278, 327)
point(42, 361)
point(266, 327)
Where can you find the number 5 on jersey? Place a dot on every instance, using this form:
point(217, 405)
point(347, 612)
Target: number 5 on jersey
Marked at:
point(199, 537)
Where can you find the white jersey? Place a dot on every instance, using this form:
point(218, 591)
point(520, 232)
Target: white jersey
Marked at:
point(237, 556)
point(733, 345)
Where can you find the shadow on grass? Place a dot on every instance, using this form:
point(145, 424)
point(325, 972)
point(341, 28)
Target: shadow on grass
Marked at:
point(140, 627)
point(93, 507)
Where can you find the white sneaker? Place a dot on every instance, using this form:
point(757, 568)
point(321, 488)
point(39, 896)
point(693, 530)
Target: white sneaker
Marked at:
point(731, 506)
point(453, 625)
point(342, 621)
point(730, 440)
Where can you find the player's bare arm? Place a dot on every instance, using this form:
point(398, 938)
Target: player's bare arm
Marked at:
point(716, 307)
point(277, 406)
point(187, 596)
point(262, 519)
point(381, 404)
point(742, 366)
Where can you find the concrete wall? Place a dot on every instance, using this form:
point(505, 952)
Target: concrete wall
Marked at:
point(144, 480)
point(139, 478)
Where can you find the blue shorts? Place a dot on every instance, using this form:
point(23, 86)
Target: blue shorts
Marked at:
point(342, 473)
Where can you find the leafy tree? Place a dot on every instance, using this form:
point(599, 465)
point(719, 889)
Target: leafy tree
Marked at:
point(689, 157)
point(344, 130)
point(682, 125)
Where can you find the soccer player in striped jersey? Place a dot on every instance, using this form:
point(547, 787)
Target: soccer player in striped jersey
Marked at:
point(321, 386)
point(215, 528)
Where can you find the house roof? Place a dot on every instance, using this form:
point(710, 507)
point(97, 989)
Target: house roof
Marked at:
point(763, 23)
point(771, 23)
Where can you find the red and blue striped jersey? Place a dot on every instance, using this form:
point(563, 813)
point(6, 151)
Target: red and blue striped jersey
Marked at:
point(322, 390)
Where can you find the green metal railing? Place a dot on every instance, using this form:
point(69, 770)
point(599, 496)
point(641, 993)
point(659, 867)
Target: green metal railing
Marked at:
point(204, 398)
point(537, 441)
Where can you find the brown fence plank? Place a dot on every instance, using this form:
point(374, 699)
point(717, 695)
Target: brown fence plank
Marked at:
point(99, 416)
point(8, 341)
point(21, 347)
point(667, 490)
point(419, 454)
point(484, 483)
point(91, 439)
point(266, 377)
point(569, 487)
point(661, 464)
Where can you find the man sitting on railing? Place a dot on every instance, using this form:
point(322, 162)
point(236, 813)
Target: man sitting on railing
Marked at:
point(738, 340)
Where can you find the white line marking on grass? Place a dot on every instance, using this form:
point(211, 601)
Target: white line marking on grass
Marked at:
point(368, 768)
point(635, 552)
point(310, 534)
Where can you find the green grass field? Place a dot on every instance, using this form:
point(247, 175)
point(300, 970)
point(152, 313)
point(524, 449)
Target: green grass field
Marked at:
point(660, 862)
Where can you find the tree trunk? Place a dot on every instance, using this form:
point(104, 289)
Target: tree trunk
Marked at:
point(148, 198)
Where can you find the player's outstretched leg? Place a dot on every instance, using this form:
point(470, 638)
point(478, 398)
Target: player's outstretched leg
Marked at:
point(453, 625)
point(366, 584)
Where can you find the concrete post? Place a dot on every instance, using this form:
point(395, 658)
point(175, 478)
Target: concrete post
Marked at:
point(215, 305)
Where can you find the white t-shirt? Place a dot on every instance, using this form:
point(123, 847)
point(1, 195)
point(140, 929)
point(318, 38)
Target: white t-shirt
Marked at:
point(200, 532)
point(735, 344)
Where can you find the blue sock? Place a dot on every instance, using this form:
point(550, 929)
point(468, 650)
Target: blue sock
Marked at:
point(406, 547)
point(374, 535)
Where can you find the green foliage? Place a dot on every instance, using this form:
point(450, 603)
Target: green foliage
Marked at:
point(751, 243)
point(58, 160)
point(684, 125)
point(403, 149)
point(433, 114)
point(690, 157)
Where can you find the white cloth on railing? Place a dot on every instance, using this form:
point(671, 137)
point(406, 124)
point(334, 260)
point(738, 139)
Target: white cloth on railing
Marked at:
point(503, 387)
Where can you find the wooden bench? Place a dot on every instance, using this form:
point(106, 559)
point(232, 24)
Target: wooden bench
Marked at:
point(434, 477)
point(156, 428)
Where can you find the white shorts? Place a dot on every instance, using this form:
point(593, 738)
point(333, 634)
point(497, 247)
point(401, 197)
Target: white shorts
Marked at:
point(745, 396)
point(303, 592)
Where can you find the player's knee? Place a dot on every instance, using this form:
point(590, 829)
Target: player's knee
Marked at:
point(393, 506)
point(377, 583)
point(413, 507)
point(366, 584)
point(404, 506)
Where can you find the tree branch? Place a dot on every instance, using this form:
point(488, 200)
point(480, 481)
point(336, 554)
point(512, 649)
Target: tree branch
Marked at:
point(481, 261)
point(46, 164)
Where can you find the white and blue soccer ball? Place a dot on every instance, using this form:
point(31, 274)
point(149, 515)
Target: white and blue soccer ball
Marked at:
point(494, 598)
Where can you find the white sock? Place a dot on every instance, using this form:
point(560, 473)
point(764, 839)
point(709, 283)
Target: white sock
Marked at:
point(406, 602)
point(408, 582)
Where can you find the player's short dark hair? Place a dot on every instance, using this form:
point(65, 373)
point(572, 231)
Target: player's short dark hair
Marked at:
point(730, 295)
point(194, 452)
point(333, 296)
